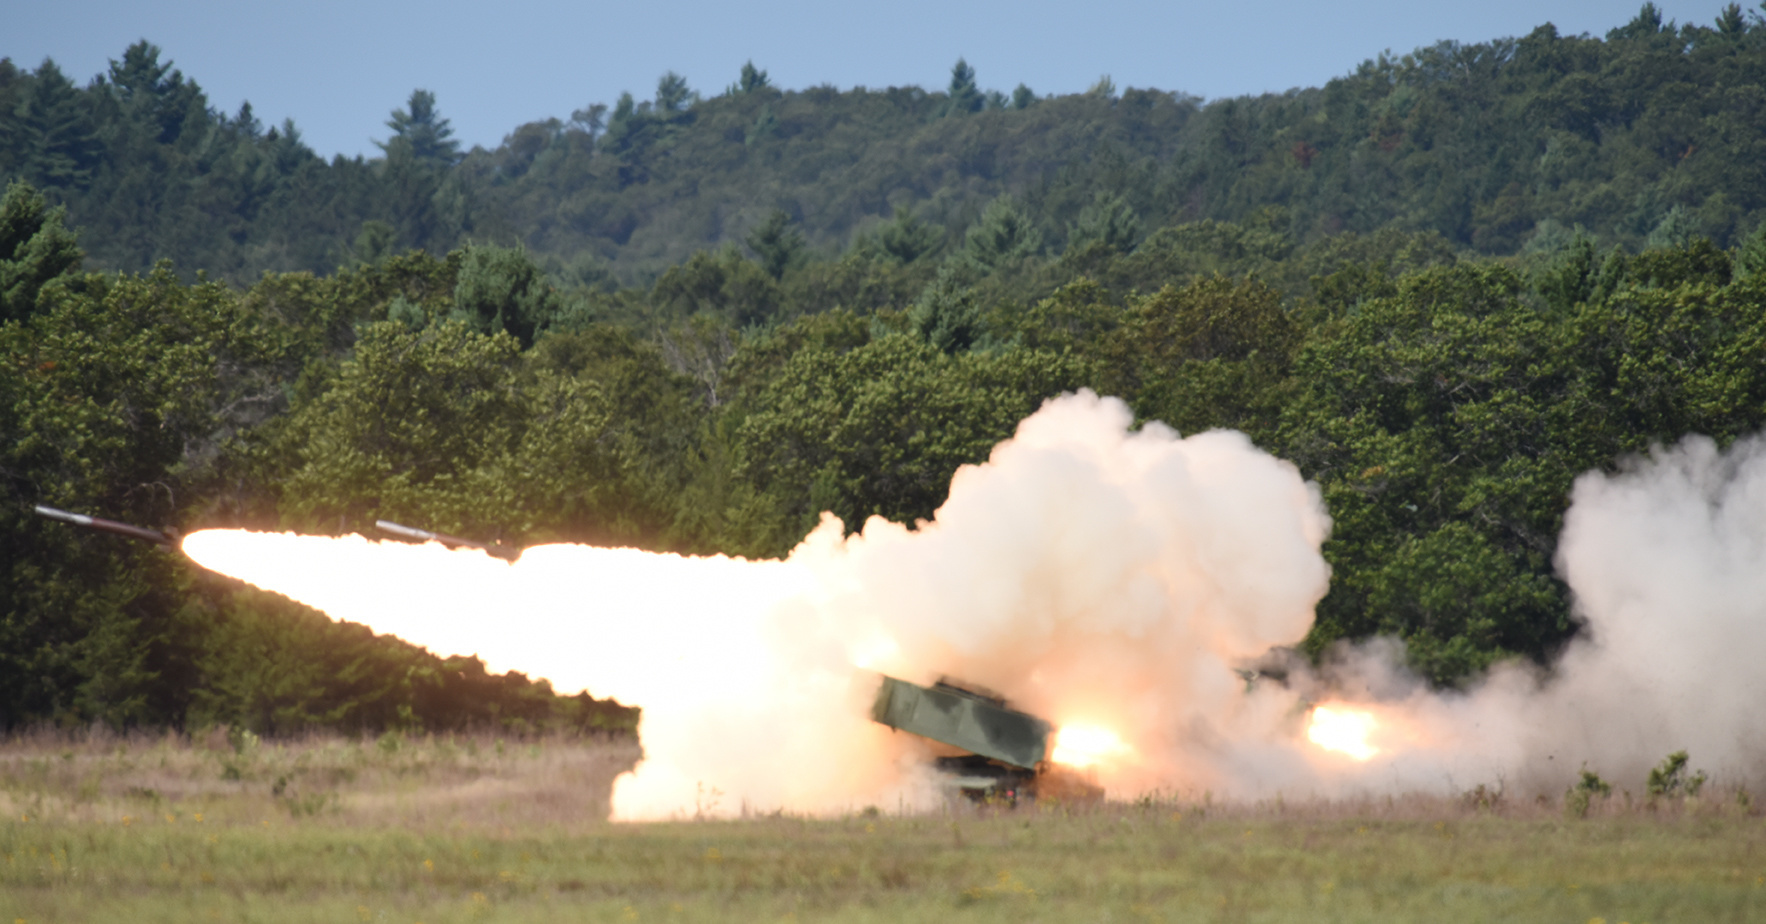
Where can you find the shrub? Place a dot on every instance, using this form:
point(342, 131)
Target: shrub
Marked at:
point(1577, 800)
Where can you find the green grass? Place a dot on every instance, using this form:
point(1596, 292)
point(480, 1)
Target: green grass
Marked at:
point(467, 830)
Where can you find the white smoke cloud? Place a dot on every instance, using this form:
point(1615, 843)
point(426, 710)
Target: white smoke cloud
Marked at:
point(1091, 572)
point(1097, 575)
point(1666, 564)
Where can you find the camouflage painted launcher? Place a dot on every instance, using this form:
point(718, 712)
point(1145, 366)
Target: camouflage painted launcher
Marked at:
point(964, 719)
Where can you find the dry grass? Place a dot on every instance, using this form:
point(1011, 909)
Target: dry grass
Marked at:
point(471, 780)
point(476, 828)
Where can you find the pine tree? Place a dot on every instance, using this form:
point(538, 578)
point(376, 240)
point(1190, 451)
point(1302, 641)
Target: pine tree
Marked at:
point(965, 97)
point(56, 144)
point(34, 248)
point(1647, 23)
point(776, 243)
point(1730, 21)
point(500, 289)
point(1109, 220)
point(752, 79)
point(155, 93)
point(672, 94)
point(430, 137)
point(1004, 234)
point(906, 238)
point(1750, 258)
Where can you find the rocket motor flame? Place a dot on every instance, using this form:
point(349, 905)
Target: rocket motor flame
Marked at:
point(1344, 730)
point(1086, 746)
point(1086, 569)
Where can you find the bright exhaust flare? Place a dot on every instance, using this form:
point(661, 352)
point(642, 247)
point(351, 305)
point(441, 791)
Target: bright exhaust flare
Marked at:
point(1085, 746)
point(1344, 730)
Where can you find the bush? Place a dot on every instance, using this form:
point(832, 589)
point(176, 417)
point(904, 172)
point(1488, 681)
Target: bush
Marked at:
point(1670, 779)
point(1577, 800)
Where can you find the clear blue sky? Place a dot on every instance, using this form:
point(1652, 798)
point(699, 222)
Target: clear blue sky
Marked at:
point(338, 68)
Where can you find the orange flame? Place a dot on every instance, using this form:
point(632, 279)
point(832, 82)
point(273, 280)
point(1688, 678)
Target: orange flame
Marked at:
point(1344, 730)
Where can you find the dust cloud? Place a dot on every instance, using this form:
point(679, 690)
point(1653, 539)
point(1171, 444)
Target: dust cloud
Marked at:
point(1665, 560)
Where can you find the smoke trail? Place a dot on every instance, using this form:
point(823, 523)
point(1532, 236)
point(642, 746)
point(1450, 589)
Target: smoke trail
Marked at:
point(1093, 573)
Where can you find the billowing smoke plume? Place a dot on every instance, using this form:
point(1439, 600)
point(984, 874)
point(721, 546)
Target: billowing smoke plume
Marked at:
point(1094, 574)
point(1666, 564)
point(1099, 577)
point(1106, 578)
point(1666, 561)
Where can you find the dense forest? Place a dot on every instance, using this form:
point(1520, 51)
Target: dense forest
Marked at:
point(1443, 285)
point(1654, 131)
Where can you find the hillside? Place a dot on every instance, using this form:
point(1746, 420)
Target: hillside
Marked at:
point(1655, 129)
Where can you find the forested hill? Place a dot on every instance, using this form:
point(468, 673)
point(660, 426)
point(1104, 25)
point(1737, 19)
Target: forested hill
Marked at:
point(1654, 130)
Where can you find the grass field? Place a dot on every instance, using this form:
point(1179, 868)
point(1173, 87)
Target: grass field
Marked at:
point(482, 829)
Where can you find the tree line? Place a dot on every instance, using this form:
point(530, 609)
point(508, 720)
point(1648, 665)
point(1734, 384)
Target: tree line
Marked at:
point(1651, 133)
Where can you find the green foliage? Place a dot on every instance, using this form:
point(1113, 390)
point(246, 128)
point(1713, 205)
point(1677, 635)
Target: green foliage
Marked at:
point(1441, 412)
point(963, 96)
point(421, 131)
point(113, 395)
point(753, 79)
point(1005, 234)
point(500, 289)
point(765, 125)
point(904, 238)
point(1670, 778)
point(154, 95)
point(776, 243)
point(1750, 259)
point(1571, 276)
point(721, 285)
point(946, 314)
point(34, 249)
point(1646, 136)
point(414, 419)
point(1109, 222)
point(1179, 253)
point(1210, 354)
point(273, 667)
point(1433, 420)
point(624, 373)
point(52, 140)
point(1580, 796)
point(672, 93)
point(879, 429)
